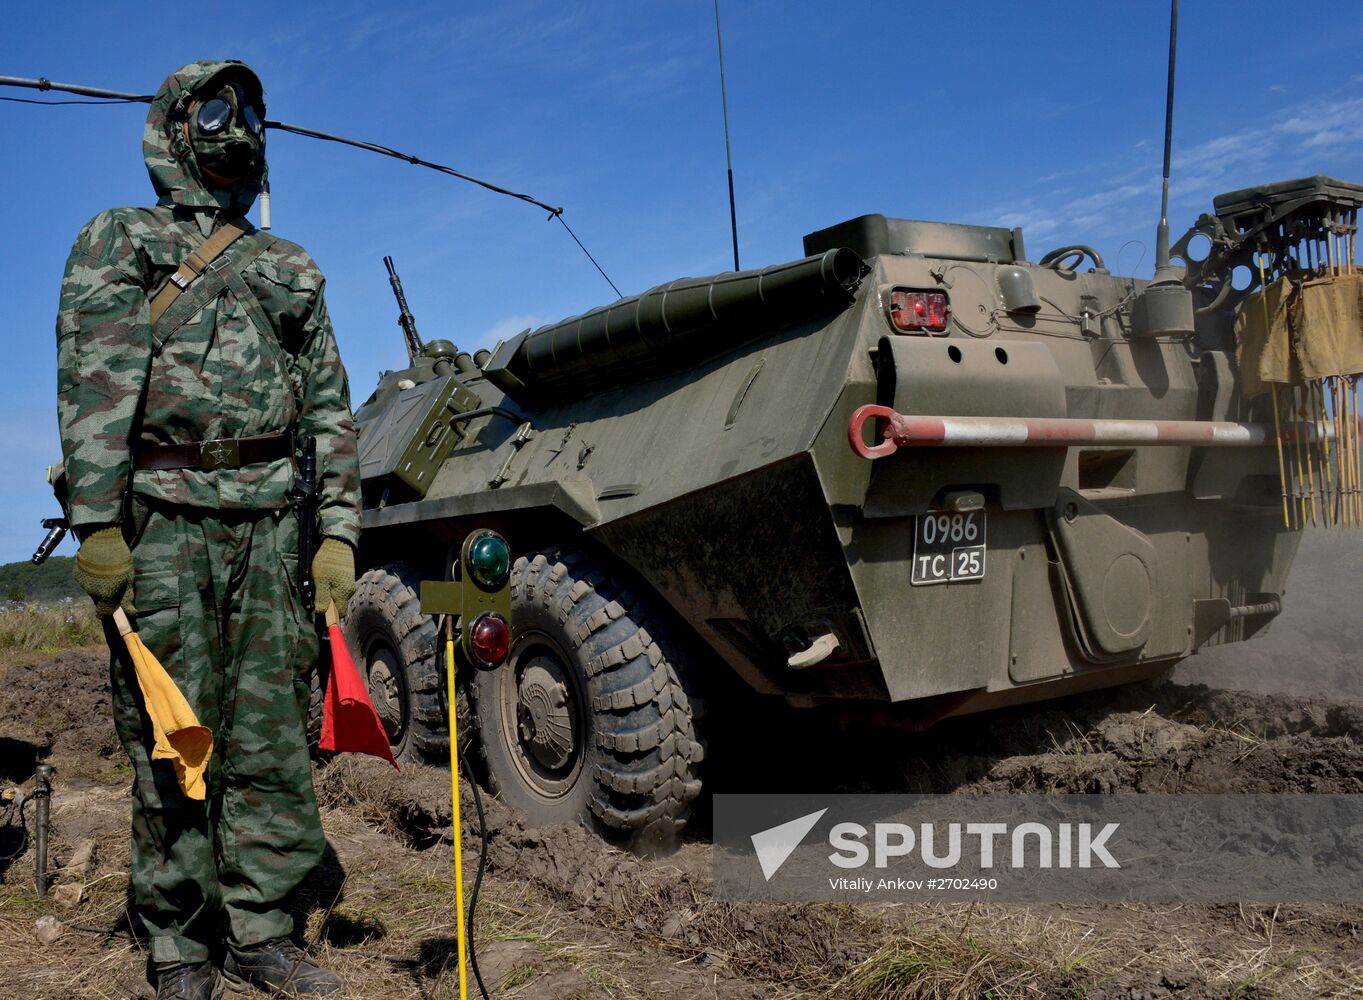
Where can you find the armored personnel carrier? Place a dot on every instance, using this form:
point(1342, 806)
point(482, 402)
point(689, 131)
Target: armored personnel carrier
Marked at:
point(914, 471)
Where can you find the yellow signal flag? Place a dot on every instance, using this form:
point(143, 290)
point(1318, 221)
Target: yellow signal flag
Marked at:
point(178, 737)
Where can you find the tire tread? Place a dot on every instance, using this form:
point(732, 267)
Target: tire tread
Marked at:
point(646, 769)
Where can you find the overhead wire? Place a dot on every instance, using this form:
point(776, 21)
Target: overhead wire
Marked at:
point(119, 97)
point(559, 215)
point(375, 147)
point(107, 100)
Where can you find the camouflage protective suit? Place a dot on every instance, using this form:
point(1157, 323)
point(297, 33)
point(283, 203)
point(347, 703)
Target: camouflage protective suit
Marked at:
point(214, 550)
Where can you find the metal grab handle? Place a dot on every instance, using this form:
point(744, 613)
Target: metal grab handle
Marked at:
point(856, 438)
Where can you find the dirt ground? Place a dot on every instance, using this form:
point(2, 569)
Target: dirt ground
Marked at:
point(1313, 646)
point(561, 915)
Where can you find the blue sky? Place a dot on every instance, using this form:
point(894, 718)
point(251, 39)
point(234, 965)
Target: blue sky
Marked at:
point(1047, 116)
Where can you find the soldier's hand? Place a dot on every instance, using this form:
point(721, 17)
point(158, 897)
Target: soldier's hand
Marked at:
point(333, 571)
point(104, 570)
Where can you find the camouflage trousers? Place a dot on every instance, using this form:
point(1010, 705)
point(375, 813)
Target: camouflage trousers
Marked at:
point(218, 605)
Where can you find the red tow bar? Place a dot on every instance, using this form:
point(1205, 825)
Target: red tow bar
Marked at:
point(900, 431)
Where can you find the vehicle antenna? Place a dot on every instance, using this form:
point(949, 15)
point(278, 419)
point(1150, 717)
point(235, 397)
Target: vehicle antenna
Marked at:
point(1165, 306)
point(121, 97)
point(1162, 234)
point(728, 154)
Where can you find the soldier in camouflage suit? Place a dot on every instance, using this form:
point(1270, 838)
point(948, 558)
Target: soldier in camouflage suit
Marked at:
point(201, 539)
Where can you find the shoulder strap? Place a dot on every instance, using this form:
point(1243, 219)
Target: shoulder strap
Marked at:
point(194, 265)
point(213, 282)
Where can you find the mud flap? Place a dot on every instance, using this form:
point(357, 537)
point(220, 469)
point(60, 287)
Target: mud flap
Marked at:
point(1108, 574)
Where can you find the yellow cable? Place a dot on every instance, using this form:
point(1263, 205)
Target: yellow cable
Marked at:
point(1277, 422)
point(1343, 445)
point(1304, 448)
point(1320, 425)
point(454, 792)
point(1282, 469)
point(1351, 408)
point(1341, 455)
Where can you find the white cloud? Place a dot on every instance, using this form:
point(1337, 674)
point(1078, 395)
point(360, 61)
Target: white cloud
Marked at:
point(506, 328)
point(1328, 137)
point(1288, 143)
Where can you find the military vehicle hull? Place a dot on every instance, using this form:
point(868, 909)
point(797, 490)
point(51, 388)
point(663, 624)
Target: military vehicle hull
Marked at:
point(691, 447)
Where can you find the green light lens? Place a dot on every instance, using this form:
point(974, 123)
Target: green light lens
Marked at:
point(490, 561)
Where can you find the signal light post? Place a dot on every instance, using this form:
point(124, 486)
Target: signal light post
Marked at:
point(485, 598)
point(480, 597)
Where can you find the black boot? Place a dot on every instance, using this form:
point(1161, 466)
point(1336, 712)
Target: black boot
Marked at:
point(277, 967)
point(199, 981)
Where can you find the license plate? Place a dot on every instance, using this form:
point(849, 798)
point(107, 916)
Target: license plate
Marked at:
point(948, 547)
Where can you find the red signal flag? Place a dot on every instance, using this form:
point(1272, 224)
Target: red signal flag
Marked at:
point(349, 722)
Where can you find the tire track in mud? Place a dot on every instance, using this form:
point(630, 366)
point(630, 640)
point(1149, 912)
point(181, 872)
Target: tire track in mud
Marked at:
point(1145, 739)
point(1170, 739)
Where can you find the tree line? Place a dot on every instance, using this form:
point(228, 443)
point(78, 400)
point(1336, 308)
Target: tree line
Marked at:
point(53, 580)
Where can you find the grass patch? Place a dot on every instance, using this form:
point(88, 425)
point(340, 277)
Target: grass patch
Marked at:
point(43, 629)
point(611, 982)
point(943, 969)
point(21, 904)
point(519, 976)
point(977, 952)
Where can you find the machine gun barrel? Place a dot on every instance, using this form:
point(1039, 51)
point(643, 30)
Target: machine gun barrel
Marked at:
point(405, 318)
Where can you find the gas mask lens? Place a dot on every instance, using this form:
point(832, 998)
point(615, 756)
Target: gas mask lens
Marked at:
point(214, 116)
point(216, 113)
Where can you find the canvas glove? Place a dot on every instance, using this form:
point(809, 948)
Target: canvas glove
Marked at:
point(333, 571)
point(104, 570)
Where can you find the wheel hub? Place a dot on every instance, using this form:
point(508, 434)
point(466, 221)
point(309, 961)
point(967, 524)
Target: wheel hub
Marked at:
point(383, 690)
point(543, 716)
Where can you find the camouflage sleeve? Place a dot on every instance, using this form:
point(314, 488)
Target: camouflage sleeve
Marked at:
point(325, 413)
point(104, 349)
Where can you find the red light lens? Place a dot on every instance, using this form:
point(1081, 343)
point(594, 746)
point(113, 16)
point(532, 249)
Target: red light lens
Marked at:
point(937, 310)
point(919, 310)
point(490, 639)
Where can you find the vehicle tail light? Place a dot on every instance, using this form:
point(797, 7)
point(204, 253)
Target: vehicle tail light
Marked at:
point(919, 310)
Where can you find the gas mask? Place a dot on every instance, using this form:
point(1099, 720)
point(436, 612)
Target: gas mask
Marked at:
point(226, 134)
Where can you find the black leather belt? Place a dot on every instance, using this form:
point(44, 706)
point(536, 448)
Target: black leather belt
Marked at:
point(223, 453)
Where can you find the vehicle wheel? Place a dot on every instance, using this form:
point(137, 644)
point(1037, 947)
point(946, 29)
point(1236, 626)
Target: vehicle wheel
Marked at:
point(589, 720)
point(317, 686)
point(395, 648)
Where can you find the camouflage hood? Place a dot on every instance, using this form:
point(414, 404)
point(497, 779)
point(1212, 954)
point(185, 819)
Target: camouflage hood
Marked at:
point(170, 160)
